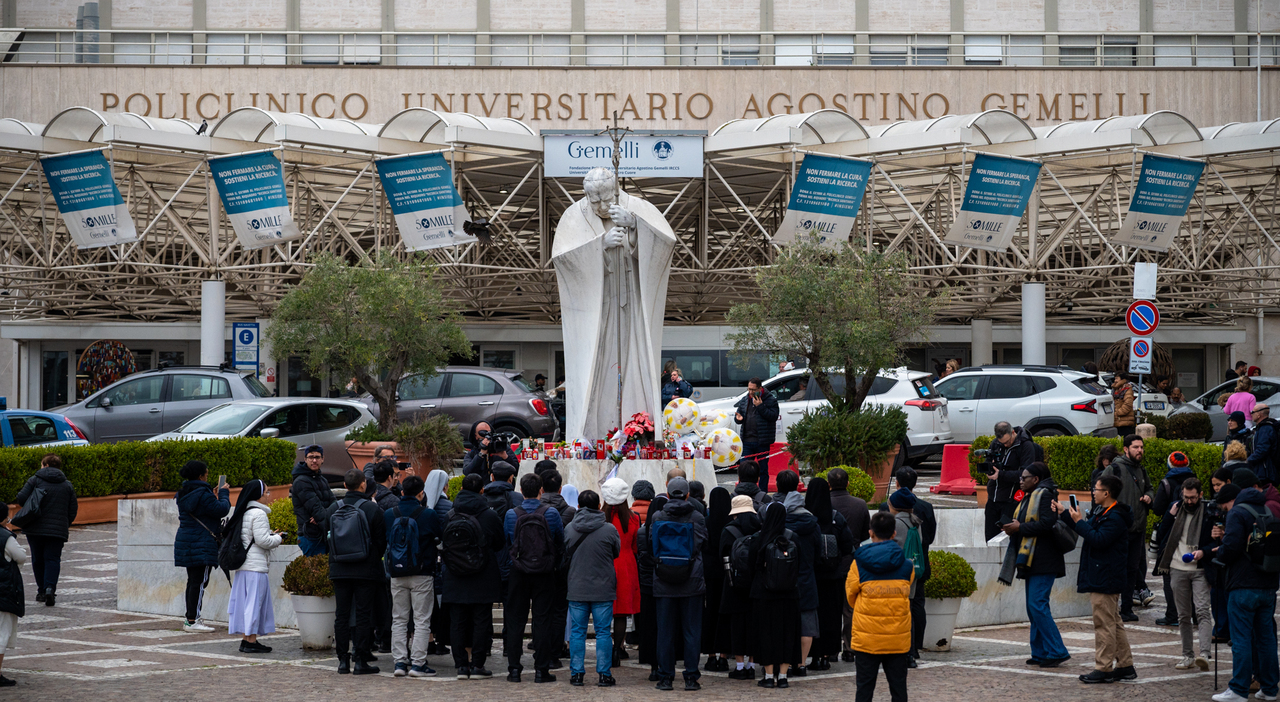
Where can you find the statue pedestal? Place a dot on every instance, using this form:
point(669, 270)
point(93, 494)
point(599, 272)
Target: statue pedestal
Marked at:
point(590, 474)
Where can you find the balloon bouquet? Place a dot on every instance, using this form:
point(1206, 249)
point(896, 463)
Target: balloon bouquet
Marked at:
point(687, 426)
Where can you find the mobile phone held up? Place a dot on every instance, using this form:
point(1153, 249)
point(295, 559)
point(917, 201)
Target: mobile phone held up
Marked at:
point(1075, 504)
point(222, 481)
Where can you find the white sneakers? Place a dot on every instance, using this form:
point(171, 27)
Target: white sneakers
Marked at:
point(1202, 662)
point(1260, 695)
point(1229, 695)
point(197, 627)
point(1187, 663)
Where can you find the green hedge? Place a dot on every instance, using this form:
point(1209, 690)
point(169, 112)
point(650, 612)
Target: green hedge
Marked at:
point(860, 484)
point(150, 466)
point(1071, 458)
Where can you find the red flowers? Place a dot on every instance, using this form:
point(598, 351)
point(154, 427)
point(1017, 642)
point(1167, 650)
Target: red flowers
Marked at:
point(641, 424)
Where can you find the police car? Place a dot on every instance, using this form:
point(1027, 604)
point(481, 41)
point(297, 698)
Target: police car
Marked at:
point(20, 427)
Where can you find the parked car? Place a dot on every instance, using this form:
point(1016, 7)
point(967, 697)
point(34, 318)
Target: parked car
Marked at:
point(151, 402)
point(26, 428)
point(1045, 400)
point(469, 394)
point(1265, 390)
point(1154, 402)
point(928, 428)
point(302, 420)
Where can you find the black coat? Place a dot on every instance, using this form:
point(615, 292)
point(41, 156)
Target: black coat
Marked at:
point(805, 526)
point(59, 508)
point(1009, 462)
point(766, 418)
point(855, 512)
point(371, 568)
point(1241, 572)
point(486, 586)
point(1048, 556)
point(12, 599)
point(311, 500)
point(200, 515)
point(735, 598)
point(1105, 550)
point(838, 528)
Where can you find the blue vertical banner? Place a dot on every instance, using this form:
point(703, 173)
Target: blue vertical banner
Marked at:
point(88, 199)
point(253, 194)
point(994, 200)
point(825, 199)
point(428, 210)
point(1159, 203)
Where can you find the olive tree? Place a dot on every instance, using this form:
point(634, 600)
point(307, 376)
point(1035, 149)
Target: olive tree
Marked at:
point(840, 308)
point(378, 322)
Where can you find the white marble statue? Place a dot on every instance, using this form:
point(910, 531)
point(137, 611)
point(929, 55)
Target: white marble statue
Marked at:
point(612, 254)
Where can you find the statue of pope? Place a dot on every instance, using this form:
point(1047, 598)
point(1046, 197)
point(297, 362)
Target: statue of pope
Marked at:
point(612, 254)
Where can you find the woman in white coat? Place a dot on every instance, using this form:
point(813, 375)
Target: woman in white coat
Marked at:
point(12, 603)
point(249, 611)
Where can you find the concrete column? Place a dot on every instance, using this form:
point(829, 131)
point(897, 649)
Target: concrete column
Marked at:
point(1033, 345)
point(268, 367)
point(1051, 32)
point(980, 353)
point(213, 322)
point(673, 39)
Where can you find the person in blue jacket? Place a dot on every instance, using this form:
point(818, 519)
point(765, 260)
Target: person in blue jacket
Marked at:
point(675, 386)
point(200, 515)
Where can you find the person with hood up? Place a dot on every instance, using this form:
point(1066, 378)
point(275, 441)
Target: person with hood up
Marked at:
point(647, 620)
point(805, 527)
point(249, 610)
point(878, 590)
point(49, 532)
point(195, 547)
point(642, 493)
point(627, 599)
point(1169, 491)
point(830, 573)
point(1104, 555)
point(678, 591)
point(311, 501)
point(479, 459)
point(1011, 451)
point(714, 639)
point(1038, 561)
point(592, 545)
point(1137, 495)
point(1251, 601)
point(927, 523)
point(470, 596)
point(735, 598)
point(777, 611)
point(1237, 431)
point(1184, 531)
point(436, 499)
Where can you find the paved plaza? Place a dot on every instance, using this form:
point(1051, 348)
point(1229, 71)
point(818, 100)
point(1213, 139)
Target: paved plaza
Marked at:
point(84, 649)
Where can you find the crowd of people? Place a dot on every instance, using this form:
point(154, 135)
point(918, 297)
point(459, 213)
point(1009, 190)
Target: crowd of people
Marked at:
point(1216, 548)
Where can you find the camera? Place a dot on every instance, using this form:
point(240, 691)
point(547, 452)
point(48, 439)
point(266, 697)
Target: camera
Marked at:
point(404, 465)
point(501, 441)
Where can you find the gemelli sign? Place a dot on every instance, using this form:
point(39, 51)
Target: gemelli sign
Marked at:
point(88, 199)
point(639, 156)
point(994, 201)
point(253, 194)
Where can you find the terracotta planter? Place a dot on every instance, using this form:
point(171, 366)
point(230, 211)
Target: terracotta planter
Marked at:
point(882, 473)
point(102, 510)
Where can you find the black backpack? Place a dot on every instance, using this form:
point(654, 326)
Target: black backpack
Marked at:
point(826, 560)
point(782, 563)
point(739, 565)
point(463, 544)
point(1263, 545)
point(350, 540)
point(532, 548)
point(232, 552)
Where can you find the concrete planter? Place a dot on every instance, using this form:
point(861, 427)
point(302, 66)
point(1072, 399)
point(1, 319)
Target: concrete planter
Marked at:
point(315, 620)
point(105, 509)
point(940, 622)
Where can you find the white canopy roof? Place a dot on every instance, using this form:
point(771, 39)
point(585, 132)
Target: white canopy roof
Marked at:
point(84, 124)
point(1160, 128)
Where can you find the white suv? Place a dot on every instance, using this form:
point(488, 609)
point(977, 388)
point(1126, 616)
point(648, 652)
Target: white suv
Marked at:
point(927, 427)
point(1044, 400)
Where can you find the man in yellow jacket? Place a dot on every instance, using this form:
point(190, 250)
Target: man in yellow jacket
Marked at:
point(879, 592)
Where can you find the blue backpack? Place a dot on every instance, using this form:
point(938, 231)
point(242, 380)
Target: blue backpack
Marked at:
point(402, 544)
point(673, 551)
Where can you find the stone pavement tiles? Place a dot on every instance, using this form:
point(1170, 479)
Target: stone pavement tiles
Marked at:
point(83, 649)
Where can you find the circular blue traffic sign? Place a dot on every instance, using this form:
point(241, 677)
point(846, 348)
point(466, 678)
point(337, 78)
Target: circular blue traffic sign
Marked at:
point(1142, 318)
point(1142, 348)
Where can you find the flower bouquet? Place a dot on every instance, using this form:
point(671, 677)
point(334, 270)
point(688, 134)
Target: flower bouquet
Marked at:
point(639, 428)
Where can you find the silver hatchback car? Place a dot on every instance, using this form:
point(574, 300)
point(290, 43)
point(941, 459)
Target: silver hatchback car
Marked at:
point(302, 420)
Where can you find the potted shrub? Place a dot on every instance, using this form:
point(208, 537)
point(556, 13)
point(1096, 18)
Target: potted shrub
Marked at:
point(870, 438)
point(362, 442)
point(428, 442)
point(282, 519)
point(306, 579)
point(952, 579)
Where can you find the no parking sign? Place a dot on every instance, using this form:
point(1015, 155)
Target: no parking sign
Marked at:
point(1140, 355)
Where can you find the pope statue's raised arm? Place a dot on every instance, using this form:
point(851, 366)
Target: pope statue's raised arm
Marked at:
point(600, 291)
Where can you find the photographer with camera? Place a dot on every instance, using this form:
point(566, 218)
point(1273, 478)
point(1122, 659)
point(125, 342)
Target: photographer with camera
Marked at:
point(487, 447)
point(1011, 452)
